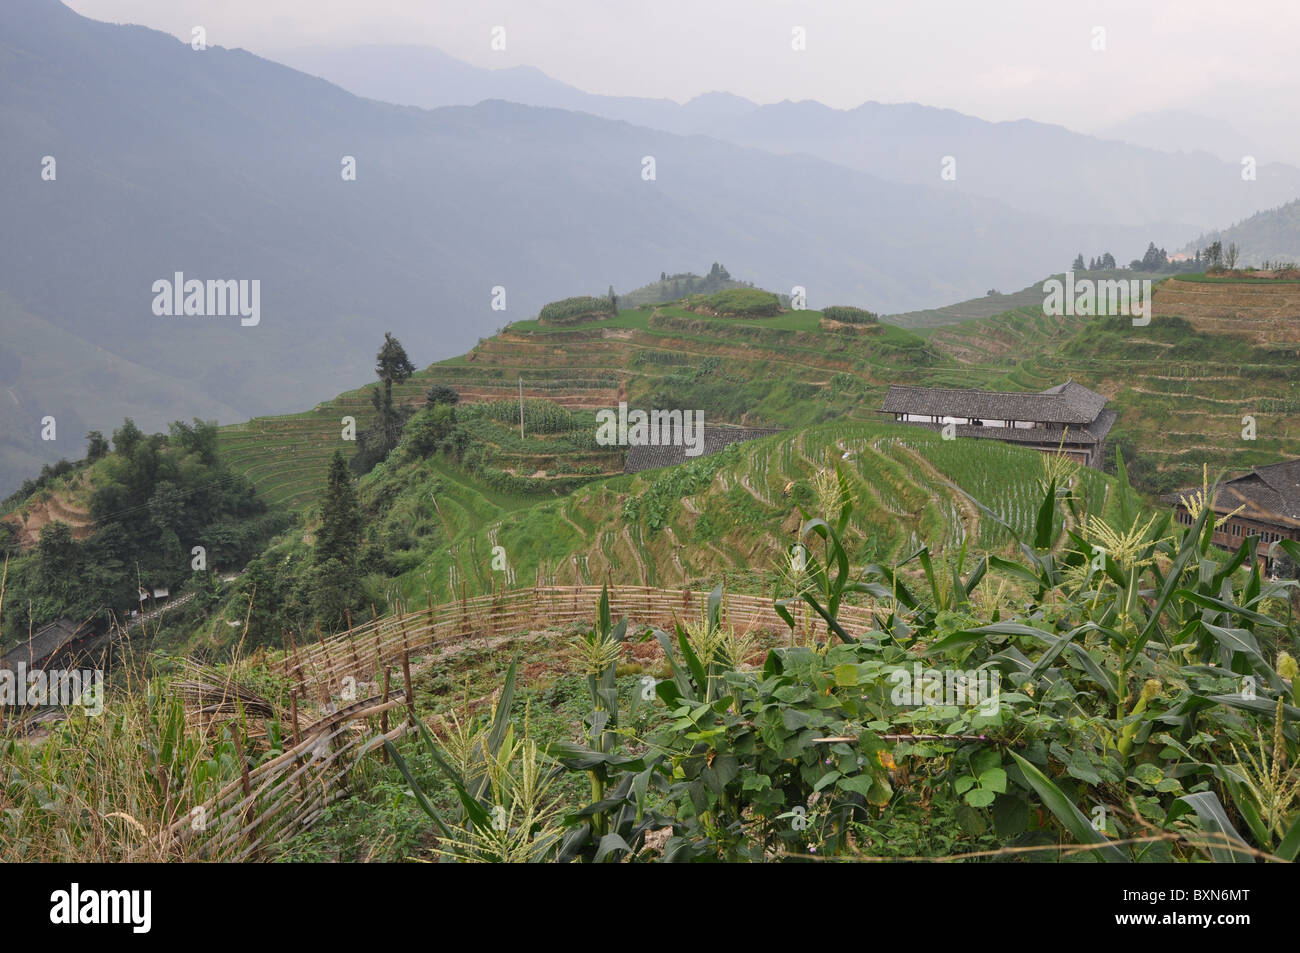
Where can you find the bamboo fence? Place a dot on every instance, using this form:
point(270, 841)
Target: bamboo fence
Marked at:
point(369, 647)
point(291, 791)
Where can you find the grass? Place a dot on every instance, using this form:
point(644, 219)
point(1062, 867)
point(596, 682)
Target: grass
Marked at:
point(1181, 385)
point(734, 518)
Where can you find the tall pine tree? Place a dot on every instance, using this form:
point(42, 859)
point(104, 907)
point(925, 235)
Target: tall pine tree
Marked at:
point(392, 366)
point(341, 521)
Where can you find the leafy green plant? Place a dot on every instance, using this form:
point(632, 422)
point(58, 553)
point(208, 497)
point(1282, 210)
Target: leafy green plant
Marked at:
point(614, 824)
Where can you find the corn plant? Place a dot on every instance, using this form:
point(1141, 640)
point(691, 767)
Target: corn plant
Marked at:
point(616, 821)
point(502, 786)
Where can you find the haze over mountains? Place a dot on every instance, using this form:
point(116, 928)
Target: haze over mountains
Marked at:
point(1033, 166)
point(220, 164)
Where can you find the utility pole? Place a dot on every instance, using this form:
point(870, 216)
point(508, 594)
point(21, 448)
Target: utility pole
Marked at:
point(521, 408)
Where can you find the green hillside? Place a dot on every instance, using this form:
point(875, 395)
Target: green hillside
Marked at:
point(782, 371)
point(731, 515)
point(1181, 385)
point(563, 511)
point(992, 304)
point(1272, 235)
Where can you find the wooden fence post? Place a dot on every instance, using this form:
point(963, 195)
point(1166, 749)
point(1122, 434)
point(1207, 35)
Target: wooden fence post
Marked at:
point(249, 807)
point(352, 643)
point(410, 694)
point(325, 657)
point(383, 716)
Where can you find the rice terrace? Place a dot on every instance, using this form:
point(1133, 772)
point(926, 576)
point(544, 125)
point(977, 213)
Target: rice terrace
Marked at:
point(922, 530)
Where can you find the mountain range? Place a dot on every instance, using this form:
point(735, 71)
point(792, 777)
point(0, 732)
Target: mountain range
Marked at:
point(129, 157)
point(1164, 181)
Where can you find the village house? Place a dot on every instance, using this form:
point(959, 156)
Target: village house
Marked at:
point(1269, 502)
point(1068, 418)
point(46, 644)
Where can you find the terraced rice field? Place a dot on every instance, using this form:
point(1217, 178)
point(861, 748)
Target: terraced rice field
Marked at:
point(1264, 312)
point(584, 368)
point(908, 484)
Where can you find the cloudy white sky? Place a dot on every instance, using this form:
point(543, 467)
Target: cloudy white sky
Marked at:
point(1000, 59)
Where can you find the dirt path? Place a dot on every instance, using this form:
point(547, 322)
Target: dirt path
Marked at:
point(564, 515)
point(676, 546)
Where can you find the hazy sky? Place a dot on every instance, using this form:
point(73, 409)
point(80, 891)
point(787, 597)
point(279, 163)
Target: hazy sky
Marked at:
point(999, 59)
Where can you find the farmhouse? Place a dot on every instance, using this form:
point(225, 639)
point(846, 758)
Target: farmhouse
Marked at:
point(1068, 417)
point(1269, 502)
point(45, 644)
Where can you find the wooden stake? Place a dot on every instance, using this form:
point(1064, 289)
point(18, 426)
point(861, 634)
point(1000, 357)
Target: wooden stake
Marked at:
point(243, 770)
point(383, 717)
point(406, 678)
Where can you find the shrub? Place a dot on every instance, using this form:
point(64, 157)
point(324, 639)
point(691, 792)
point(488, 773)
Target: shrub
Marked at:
point(540, 416)
point(741, 303)
point(441, 394)
point(427, 430)
point(847, 314)
point(576, 310)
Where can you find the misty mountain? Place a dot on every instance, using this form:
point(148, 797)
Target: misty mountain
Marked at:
point(1178, 130)
point(219, 164)
point(1272, 235)
point(425, 76)
point(1034, 166)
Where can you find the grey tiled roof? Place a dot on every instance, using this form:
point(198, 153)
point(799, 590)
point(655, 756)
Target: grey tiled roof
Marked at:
point(1067, 403)
point(1088, 436)
point(1267, 493)
point(715, 438)
point(44, 643)
point(1265, 490)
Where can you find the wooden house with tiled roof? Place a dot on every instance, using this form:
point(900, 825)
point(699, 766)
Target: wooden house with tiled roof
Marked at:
point(1068, 418)
point(1265, 503)
point(44, 644)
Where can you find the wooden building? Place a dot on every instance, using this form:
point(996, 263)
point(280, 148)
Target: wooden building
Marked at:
point(48, 643)
point(1068, 417)
point(1269, 502)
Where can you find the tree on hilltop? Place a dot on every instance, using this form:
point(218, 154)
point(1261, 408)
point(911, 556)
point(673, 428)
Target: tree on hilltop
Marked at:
point(96, 446)
point(1155, 259)
point(391, 366)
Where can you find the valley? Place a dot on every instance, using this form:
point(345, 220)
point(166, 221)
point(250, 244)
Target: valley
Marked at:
point(398, 540)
